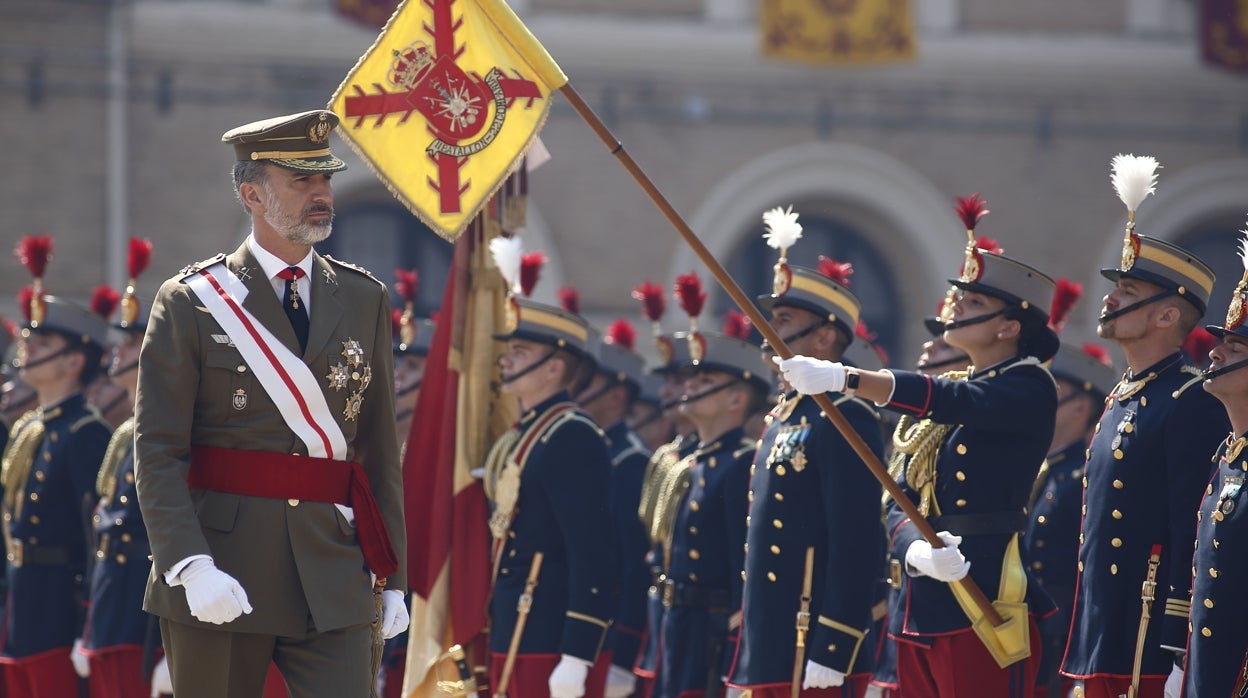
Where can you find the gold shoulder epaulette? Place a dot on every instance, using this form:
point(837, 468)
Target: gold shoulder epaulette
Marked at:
point(665, 459)
point(119, 446)
point(353, 267)
point(19, 456)
point(21, 423)
point(193, 268)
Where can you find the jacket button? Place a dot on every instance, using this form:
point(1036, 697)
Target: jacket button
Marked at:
point(961, 449)
point(1116, 542)
point(1208, 603)
point(1116, 514)
point(242, 368)
point(293, 502)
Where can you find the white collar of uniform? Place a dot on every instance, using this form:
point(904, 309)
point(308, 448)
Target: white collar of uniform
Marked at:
point(271, 264)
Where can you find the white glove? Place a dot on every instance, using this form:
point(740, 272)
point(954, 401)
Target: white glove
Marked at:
point(620, 682)
point(1174, 682)
point(873, 691)
point(820, 676)
point(812, 376)
point(568, 678)
point(82, 665)
point(734, 692)
point(394, 618)
point(946, 564)
point(214, 596)
point(162, 684)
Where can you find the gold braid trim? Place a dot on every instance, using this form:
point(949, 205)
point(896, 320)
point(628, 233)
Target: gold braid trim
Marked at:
point(497, 460)
point(665, 458)
point(119, 446)
point(921, 441)
point(672, 492)
point(19, 457)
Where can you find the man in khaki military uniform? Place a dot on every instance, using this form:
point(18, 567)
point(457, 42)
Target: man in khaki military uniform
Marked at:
point(267, 467)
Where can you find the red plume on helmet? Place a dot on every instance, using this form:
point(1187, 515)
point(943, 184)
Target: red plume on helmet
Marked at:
point(570, 299)
point(1098, 352)
point(1198, 344)
point(105, 300)
point(530, 270)
point(140, 256)
point(987, 244)
point(690, 294)
point(1064, 298)
point(653, 300)
point(407, 281)
point(621, 333)
point(34, 252)
point(970, 209)
point(837, 271)
point(737, 324)
point(25, 296)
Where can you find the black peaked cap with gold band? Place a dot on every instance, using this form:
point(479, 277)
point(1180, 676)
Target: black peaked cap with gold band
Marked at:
point(546, 324)
point(800, 287)
point(1166, 265)
point(719, 352)
point(298, 142)
point(1018, 284)
point(1086, 371)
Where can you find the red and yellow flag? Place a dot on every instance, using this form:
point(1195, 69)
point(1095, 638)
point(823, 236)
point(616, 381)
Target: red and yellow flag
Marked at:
point(837, 31)
point(1224, 33)
point(445, 104)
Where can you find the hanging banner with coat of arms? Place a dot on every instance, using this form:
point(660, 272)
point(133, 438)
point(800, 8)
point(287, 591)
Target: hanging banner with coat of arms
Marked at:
point(1224, 33)
point(445, 104)
point(837, 31)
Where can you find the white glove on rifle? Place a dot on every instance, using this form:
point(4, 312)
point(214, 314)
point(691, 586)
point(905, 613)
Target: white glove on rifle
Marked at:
point(214, 596)
point(946, 564)
point(1174, 683)
point(82, 665)
point(568, 678)
point(812, 376)
point(162, 684)
point(394, 619)
point(620, 682)
point(820, 676)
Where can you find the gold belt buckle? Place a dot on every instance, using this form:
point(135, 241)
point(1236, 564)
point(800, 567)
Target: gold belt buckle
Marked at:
point(669, 592)
point(894, 574)
point(14, 555)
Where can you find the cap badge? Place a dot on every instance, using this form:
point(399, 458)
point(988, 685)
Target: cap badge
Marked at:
point(318, 130)
point(1130, 251)
point(972, 267)
point(1235, 312)
point(664, 347)
point(511, 315)
point(697, 347)
point(782, 280)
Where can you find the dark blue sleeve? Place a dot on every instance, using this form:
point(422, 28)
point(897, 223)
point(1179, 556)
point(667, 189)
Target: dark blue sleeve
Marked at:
point(983, 404)
point(736, 510)
point(633, 544)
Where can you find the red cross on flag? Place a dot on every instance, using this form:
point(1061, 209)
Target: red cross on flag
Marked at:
point(445, 104)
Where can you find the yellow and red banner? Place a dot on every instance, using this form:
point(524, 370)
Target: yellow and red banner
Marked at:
point(1224, 33)
point(445, 104)
point(837, 31)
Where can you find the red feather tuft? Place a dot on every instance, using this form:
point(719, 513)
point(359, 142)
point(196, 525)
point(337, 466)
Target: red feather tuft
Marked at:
point(1097, 352)
point(864, 333)
point(10, 327)
point(622, 333)
point(24, 297)
point(690, 294)
point(1198, 344)
point(988, 245)
point(530, 270)
point(970, 209)
point(837, 271)
point(570, 299)
point(1064, 298)
point(653, 302)
point(737, 324)
point(406, 284)
point(34, 251)
point(105, 300)
point(140, 256)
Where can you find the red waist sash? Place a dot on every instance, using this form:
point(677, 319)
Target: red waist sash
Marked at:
point(284, 476)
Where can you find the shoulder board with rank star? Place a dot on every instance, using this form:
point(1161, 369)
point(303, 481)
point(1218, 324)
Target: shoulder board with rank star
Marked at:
point(355, 268)
point(193, 268)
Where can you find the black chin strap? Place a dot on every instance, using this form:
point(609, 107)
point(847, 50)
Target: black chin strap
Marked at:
point(650, 418)
point(689, 399)
point(408, 389)
point(122, 370)
point(976, 320)
point(589, 399)
point(795, 336)
point(54, 355)
point(1130, 308)
point(1210, 375)
point(530, 369)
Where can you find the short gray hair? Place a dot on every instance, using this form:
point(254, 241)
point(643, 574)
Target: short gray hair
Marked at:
point(248, 171)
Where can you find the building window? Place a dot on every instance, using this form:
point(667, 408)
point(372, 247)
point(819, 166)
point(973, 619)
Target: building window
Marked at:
point(384, 236)
point(872, 282)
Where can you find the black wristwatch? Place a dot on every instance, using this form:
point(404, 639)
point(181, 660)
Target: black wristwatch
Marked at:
point(851, 381)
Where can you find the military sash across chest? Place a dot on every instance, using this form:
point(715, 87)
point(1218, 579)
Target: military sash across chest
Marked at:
point(285, 377)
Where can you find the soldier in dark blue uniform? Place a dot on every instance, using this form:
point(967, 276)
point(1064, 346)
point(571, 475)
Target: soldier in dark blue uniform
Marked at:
point(549, 480)
point(49, 477)
point(810, 491)
point(1147, 466)
point(607, 399)
point(702, 513)
point(1000, 413)
point(1217, 645)
point(1084, 378)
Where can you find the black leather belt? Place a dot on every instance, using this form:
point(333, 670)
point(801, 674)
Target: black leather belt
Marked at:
point(20, 553)
point(676, 594)
point(987, 524)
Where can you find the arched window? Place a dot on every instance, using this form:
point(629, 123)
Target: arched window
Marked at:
point(750, 265)
point(384, 236)
point(1215, 240)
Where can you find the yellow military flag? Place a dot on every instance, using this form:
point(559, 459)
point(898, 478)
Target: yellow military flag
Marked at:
point(446, 103)
point(837, 31)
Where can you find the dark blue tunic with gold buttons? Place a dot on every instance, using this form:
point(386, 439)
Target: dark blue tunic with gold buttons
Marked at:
point(809, 489)
point(628, 466)
point(1052, 549)
point(1002, 421)
point(1217, 649)
point(562, 512)
point(705, 551)
point(1147, 467)
point(47, 514)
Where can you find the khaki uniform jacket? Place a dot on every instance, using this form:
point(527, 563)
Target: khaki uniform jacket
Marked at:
point(299, 562)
